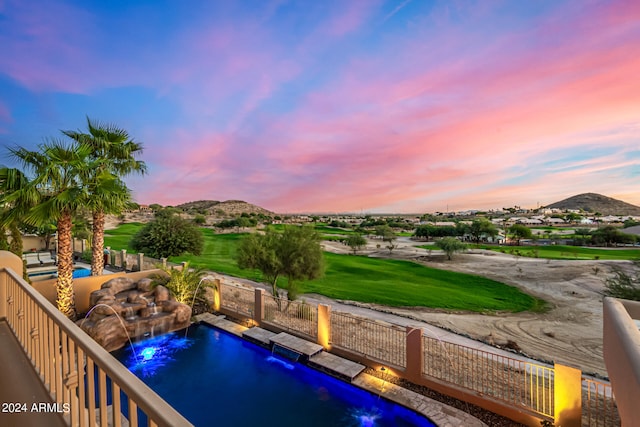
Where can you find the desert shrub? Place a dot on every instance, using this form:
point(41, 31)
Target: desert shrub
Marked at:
point(623, 285)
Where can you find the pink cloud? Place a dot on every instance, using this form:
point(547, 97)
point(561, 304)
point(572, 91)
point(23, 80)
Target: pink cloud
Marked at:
point(368, 140)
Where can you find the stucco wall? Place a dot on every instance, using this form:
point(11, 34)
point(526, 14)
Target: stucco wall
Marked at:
point(622, 356)
point(84, 286)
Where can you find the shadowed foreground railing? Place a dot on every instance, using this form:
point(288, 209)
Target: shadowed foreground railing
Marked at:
point(78, 374)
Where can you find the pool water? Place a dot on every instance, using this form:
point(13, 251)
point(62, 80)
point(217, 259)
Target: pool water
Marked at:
point(78, 272)
point(213, 378)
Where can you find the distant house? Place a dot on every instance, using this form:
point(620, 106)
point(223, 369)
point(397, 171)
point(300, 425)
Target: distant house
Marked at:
point(555, 221)
point(529, 221)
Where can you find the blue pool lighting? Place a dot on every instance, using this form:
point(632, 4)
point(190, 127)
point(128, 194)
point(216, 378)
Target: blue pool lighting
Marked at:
point(211, 377)
point(147, 353)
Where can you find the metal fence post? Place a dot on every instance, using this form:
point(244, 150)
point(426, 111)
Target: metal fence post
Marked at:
point(258, 306)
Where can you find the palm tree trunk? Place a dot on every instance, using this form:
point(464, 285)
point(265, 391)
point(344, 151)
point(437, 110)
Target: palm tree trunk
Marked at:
point(97, 244)
point(64, 286)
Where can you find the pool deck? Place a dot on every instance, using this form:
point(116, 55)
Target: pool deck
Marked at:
point(222, 323)
point(259, 336)
point(340, 367)
point(442, 415)
point(298, 345)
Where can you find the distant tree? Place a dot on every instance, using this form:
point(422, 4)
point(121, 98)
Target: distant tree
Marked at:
point(630, 223)
point(462, 228)
point(168, 235)
point(450, 245)
point(295, 254)
point(388, 236)
point(425, 231)
point(482, 227)
point(199, 220)
point(572, 217)
point(583, 232)
point(356, 242)
point(155, 207)
point(611, 236)
point(519, 232)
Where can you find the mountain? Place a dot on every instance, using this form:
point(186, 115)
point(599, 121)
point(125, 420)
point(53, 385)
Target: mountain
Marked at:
point(222, 209)
point(592, 202)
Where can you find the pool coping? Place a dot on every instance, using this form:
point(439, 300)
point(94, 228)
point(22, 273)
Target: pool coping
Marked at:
point(440, 414)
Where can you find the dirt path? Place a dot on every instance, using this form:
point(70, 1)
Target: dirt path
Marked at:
point(570, 332)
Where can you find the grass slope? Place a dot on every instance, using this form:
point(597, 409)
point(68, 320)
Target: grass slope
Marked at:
point(359, 278)
point(404, 283)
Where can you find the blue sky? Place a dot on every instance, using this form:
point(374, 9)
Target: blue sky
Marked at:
point(377, 106)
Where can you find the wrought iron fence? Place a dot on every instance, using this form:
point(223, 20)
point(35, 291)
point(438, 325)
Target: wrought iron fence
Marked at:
point(519, 383)
point(598, 404)
point(374, 339)
point(295, 316)
point(238, 299)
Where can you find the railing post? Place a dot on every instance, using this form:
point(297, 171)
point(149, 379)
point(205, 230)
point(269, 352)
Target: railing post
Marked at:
point(415, 354)
point(324, 325)
point(3, 293)
point(567, 396)
point(258, 306)
point(164, 262)
point(123, 252)
point(8, 261)
point(140, 261)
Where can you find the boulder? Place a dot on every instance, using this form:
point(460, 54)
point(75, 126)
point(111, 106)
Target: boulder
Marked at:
point(119, 284)
point(161, 294)
point(145, 284)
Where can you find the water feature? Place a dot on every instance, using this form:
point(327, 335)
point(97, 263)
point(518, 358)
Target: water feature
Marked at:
point(121, 323)
point(145, 308)
point(213, 378)
point(195, 294)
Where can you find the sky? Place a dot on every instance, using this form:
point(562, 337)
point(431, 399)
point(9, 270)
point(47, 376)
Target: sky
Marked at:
point(404, 106)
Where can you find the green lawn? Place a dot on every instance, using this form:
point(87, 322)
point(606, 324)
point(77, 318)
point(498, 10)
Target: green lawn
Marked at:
point(567, 252)
point(359, 278)
point(405, 283)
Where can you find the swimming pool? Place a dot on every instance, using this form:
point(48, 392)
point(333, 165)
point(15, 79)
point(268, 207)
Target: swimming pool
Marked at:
point(78, 272)
point(213, 378)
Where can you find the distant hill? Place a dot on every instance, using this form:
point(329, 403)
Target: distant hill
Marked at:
point(592, 202)
point(222, 209)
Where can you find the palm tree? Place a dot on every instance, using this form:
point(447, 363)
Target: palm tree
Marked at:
point(115, 153)
point(53, 190)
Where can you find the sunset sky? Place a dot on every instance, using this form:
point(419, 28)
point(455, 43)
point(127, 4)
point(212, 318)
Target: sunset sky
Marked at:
point(339, 106)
